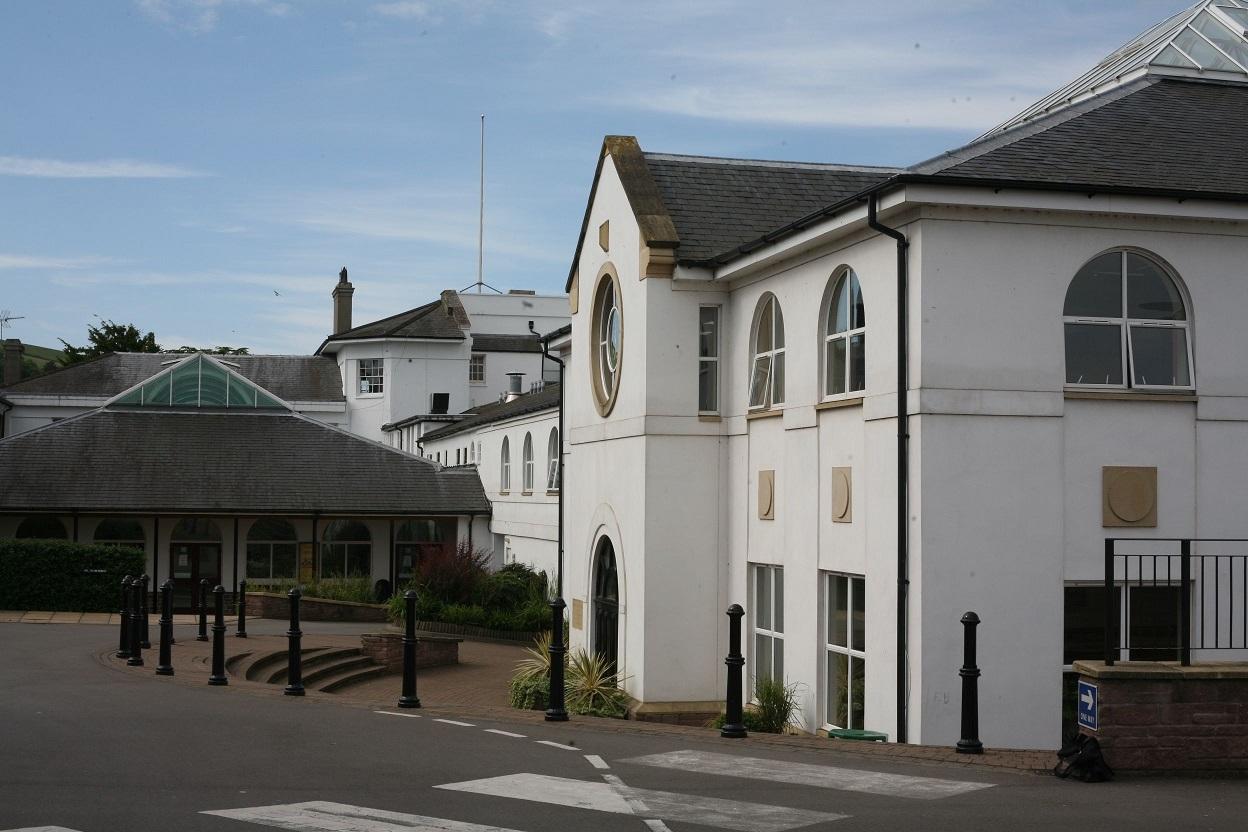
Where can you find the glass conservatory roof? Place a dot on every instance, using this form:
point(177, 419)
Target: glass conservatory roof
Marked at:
point(199, 381)
point(1206, 40)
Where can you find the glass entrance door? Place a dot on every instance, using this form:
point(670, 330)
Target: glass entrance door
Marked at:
point(189, 563)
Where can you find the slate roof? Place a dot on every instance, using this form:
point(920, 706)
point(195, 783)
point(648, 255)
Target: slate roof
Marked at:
point(544, 399)
point(485, 342)
point(293, 378)
point(1155, 135)
point(145, 461)
point(719, 204)
point(428, 321)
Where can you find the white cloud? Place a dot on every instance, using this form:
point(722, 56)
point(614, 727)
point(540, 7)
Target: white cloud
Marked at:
point(202, 16)
point(99, 169)
point(402, 9)
point(22, 261)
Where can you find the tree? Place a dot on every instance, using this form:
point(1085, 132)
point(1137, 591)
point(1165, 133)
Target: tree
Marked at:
point(108, 337)
point(213, 350)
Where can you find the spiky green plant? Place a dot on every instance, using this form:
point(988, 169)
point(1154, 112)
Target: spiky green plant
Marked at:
point(537, 664)
point(593, 686)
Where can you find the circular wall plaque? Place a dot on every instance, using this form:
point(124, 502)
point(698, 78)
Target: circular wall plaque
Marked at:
point(840, 494)
point(1131, 497)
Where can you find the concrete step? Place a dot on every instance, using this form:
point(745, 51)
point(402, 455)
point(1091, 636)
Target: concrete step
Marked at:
point(276, 675)
point(332, 669)
point(337, 683)
point(255, 666)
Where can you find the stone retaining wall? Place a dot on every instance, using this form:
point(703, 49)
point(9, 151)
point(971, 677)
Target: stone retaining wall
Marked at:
point(431, 651)
point(273, 605)
point(1158, 717)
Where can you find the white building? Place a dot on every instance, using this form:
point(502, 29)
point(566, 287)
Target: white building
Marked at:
point(1062, 302)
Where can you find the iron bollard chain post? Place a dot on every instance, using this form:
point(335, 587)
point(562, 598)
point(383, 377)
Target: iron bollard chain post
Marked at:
point(165, 666)
point(145, 612)
point(218, 638)
point(734, 727)
point(969, 744)
point(409, 699)
point(136, 623)
point(558, 660)
point(294, 648)
point(123, 640)
point(203, 610)
point(242, 610)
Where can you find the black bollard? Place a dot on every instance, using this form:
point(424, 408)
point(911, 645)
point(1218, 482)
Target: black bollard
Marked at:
point(147, 625)
point(969, 744)
point(123, 640)
point(136, 623)
point(241, 632)
point(734, 728)
point(203, 610)
point(218, 638)
point(294, 654)
point(409, 698)
point(165, 666)
point(558, 652)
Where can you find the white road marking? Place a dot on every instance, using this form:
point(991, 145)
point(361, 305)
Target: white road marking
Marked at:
point(657, 825)
point(42, 829)
point(554, 744)
point(596, 761)
point(323, 816)
point(456, 722)
point(807, 774)
point(603, 797)
point(501, 732)
point(398, 713)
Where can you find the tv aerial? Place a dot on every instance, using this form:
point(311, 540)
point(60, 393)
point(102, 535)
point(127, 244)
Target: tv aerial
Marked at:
point(6, 316)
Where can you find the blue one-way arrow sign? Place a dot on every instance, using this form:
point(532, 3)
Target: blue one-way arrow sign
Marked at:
point(1087, 705)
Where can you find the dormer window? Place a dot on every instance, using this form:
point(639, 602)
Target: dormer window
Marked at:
point(372, 376)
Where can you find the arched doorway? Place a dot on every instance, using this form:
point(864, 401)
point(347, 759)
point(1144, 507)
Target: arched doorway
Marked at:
point(606, 604)
point(194, 554)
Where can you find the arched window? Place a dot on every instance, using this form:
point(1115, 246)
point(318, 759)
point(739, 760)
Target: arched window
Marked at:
point(528, 462)
point(552, 460)
point(767, 378)
point(844, 338)
point(272, 550)
point(346, 550)
point(42, 527)
point(121, 531)
point(1126, 325)
point(504, 474)
point(608, 342)
point(606, 604)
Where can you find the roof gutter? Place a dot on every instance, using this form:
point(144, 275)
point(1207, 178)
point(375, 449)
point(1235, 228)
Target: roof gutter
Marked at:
point(903, 460)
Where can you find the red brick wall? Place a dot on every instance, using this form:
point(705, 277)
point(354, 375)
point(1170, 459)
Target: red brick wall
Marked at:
point(1173, 725)
point(272, 605)
point(387, 649)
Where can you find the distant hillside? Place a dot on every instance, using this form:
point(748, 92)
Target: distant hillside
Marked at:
point(44, 354)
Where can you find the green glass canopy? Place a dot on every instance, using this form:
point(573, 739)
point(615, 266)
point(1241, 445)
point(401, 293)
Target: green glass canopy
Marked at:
point(199, 381)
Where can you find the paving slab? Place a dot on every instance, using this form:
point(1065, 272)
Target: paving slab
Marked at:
point(66, 617)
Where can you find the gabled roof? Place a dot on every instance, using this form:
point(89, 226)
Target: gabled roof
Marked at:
point(199, 381)
point(131, 460)
point(1206, 40)
point(429, 321)
point(486, 342)
point(292, 378)
point(544, 399)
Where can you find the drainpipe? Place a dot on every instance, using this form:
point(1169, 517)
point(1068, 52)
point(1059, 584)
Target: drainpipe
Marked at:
point(903, 462)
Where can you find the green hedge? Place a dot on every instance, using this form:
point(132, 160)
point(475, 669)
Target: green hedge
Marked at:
point(57, 575)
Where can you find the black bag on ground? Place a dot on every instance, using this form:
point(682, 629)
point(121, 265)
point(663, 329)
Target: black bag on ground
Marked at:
point(1081, 759)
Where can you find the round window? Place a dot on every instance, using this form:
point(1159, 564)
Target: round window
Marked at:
point(608, 328)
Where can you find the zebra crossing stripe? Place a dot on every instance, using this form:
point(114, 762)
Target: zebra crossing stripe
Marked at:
point(808, 774)
point(324, 816)
point(604, 797)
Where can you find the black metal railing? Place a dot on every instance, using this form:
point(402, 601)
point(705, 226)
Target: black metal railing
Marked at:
point(1164, 598)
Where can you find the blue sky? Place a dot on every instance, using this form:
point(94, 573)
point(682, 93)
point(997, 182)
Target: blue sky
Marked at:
point(203, 168)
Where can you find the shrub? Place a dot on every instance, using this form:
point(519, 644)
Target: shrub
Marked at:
point(537, 665)
point(774, 708)
point(59, 575)
point(592, 687)
point(749, 718)
point(453, 576)
point(470, 614)
point(530, 694)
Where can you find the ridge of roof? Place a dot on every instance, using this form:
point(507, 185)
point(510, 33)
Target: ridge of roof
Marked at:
point(768, 163)
point(398, 321)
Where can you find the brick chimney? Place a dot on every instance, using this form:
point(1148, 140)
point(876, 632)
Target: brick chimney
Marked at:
point(13, 350)
point(342, 303)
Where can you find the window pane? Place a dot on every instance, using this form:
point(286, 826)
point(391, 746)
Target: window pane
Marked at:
point(332, 559)
point(1151, 294)
point(1227, 41)
point(762, 598)
point(186, 383)
point(760, 381)
point(860, 615)
point(156, 392)
point(857, 361)
point(857, 670)
point(779, 330)
point(241, 393)
point(835, 381)
point(257, 560)
point(1096, 291)
point(1093, 354)
point(838, 310)
point(708, 332)
point(778, 580)
point(777, 659)
point(838, 610)
point(357, 560)
point(211, 385)
point(1208, 57)
point(777, 379)
point(762, 343)
point(858, 312)
point(1160, 356)
point(708, 395)
point(285, 556)
point(1085, 623)
point(762, 657)
point(1154, 622)
point(838, 686)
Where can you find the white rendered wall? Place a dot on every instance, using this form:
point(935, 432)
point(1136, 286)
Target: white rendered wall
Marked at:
point(414, 369)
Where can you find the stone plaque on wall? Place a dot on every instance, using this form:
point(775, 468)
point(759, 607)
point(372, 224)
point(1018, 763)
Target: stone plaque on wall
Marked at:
point(1128, 496)
point(842, 495)
point(578, 613)
point(766, 495)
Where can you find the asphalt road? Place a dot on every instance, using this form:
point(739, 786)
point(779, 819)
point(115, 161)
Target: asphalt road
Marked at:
point(87, 747)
